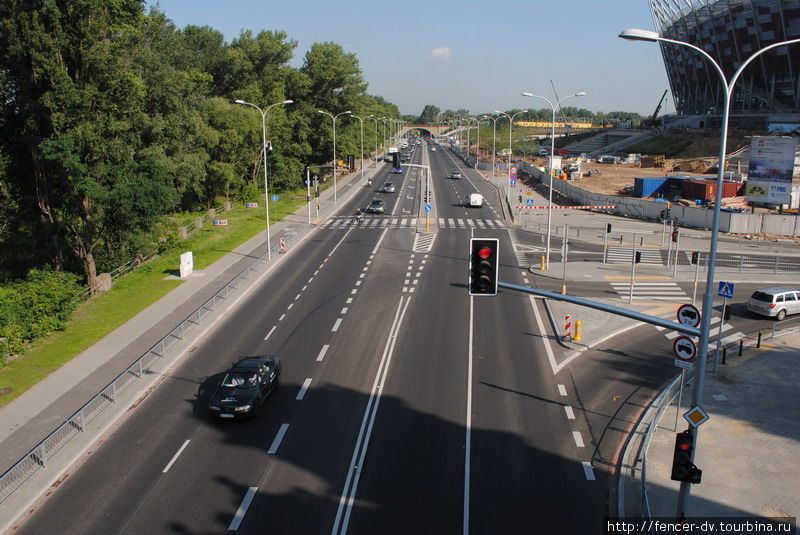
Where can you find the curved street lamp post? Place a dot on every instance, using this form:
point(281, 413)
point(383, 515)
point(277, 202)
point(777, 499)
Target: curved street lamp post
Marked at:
point(333, 117)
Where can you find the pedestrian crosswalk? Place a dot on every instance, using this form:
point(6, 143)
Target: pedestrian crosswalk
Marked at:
point(728, 337)
point(650, 290)
point(522, 251)
point(620, 254)
point(341, 222)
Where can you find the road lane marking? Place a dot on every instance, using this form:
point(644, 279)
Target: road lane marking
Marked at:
point(336, 325)
point(349, 300)
point(303, 389)
point(361, 276)
point(282, 316)
point(358, 283)
point(277, 442)
point(175, 457)
point(377, 245)
point(578, 439)
point(562, 390)
point(344, 311)
point(270, 332)
point(570, 412)
point(290, 306)
point(587, 470)
point(239, 516)
point(353, 291)
point(545, 340)
point(362, 442)
point(303, 289)
point(322, 352)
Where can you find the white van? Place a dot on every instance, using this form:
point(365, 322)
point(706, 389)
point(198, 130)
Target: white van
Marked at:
point(475, 200)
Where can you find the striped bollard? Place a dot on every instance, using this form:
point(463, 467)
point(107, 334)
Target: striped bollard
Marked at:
point(567, 327)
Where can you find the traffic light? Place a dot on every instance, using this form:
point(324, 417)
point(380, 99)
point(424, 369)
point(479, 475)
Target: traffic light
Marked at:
point(682, 467)
point(638, 257)
point(663, 215)
point(667, 213)
point(608, 228)
point(484, 262)
point(695, 258)
point(675, 235)
point(726, 313)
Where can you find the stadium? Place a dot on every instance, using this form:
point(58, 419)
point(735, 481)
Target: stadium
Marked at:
point(767, 93)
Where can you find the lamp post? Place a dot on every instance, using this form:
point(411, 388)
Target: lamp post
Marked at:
point(384, 119)
point(376, 138)
point(552, 155)
point(333, 117)
point(361, 120)
point(478, 150)
point(510, 124)
point(708, 296)
point(494, 139)
point(264, 137)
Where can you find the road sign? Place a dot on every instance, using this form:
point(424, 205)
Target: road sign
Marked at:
point(428, 208)
point(513, 169)
point(689, 315)
point(513, 183)
point(695, 416)
point(219, 222)
point(251, 205)
point(530, 202)
point(725, 289)
point(684, 348)
point(683, 364)
point(274, 198)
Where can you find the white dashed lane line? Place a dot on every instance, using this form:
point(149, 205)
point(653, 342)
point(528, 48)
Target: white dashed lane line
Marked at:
point(336, 325)
point(278, 438)
point(303, 389)
point(562, 390)
point(270, 332)
point(578, 439)
point(322, 352)
point(570, 412)
point(587, 470)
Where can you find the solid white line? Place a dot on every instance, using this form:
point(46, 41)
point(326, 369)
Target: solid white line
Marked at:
point(239, 516)
point(278, 438)
point(270, 332)
point(578, 439)
point(303, 389)
point(569, 411)
point(322, 352)
point(587, 470)
point(175, 457)
point(336, 325)
point(468, 437)
point(562, 390)
point(375, 250)
point(545, 340)
point(337, 245)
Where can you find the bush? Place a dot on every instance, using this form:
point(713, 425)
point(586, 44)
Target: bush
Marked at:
point(34, 307)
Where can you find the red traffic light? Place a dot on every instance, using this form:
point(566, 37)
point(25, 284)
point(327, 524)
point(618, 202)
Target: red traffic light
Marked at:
point(485, 253)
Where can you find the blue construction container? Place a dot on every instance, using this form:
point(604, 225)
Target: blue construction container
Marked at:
point(650, 186)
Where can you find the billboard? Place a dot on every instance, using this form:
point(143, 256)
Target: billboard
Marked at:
point(771, 169)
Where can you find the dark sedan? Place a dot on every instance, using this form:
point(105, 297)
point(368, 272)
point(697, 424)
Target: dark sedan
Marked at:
point(245, 387)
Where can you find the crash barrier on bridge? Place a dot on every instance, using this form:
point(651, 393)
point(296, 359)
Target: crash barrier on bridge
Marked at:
point(173, 343)
point(687, 216)
point(557, 207)
point(635, 457)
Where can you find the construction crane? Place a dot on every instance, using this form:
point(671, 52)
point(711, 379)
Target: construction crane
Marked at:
point(654, 120)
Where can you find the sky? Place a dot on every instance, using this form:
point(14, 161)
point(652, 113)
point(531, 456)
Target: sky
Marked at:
point(477, 55)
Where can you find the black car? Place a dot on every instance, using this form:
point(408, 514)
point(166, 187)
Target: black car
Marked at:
point(245, 387)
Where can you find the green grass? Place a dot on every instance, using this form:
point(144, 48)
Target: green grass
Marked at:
point(669, 146)
point(131, 294)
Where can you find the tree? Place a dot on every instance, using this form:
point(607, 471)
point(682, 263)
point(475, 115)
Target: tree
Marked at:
point(429, 114)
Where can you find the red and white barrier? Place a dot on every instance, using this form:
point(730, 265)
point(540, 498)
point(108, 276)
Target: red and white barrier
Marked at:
point(597, 207)
point(567, 327)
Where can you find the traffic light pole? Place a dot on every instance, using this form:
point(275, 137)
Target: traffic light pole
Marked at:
point(633, 269)
point(677, 248)
point(696, 274)
point(719, 333)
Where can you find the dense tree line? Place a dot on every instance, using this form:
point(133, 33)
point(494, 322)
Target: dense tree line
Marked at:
point(432, 115)
point(111, 116)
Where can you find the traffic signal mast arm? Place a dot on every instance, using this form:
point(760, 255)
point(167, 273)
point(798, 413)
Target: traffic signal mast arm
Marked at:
point(646, 318)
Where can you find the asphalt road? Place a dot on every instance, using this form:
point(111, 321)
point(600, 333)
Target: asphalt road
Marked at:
point(407, 406)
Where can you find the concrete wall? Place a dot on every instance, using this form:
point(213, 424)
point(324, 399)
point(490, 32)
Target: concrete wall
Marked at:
point(687, 216)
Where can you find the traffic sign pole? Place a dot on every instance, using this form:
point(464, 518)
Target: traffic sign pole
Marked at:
point(719, 333)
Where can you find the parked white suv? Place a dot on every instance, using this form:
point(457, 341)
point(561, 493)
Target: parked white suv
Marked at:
point(775, 301)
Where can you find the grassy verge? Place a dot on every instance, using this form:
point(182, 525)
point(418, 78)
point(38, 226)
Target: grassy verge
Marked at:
point(131, 294)
point(669, 146)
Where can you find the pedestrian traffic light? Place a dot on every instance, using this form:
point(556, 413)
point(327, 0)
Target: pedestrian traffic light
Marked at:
point(484, 262)
point(675, 235)
point(608, 228)
point(726, 313)
point(663, 215)
point(638, 257)
point(667, 213)
point(682, 467)
point(695, 257)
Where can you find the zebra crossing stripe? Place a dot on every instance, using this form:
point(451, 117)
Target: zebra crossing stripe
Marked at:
point(479, 223)
point(460, 222)
point(471, 223)
point(441, 221)
point(403, 222)
point(451, 222)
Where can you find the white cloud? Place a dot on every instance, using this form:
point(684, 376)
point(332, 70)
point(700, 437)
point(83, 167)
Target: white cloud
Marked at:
point(442, 53)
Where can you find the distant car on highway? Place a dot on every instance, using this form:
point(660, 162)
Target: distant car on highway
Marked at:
point(246, 385)
point(433, 149)
point(397, 170)
point(388, 187)
point(775, 302)
point(456, 175)
point(377, 206)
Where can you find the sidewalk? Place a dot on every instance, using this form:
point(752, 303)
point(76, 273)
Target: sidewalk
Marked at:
point(747, 450)
point(33, 415)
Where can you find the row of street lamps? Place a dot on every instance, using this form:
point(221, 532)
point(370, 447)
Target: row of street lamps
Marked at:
point(393, 122)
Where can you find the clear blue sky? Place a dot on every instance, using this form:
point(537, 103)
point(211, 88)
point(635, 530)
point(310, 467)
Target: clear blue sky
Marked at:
point(466, 54)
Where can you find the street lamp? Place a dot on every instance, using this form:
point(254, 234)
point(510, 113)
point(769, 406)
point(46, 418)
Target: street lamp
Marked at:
point(552, 155)
point(510, 124)
point(634, 34)
point(494, 139)
point(384, 119)
point(332, 116)
point(376, 138)
point(264, 137)
point(361, 120)
point(478, 150)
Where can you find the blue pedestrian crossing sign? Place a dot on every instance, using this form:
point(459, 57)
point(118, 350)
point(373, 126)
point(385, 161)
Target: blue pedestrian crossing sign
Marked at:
point(530, 202)
point(274, 198)
point(428, 208)
point(725, 289)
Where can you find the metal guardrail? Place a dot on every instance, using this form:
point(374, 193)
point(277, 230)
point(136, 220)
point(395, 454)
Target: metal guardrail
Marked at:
point(38, 457)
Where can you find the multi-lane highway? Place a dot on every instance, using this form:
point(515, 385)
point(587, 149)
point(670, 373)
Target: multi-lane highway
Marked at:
point(406, 405)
